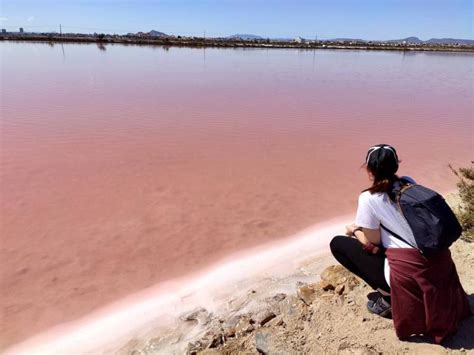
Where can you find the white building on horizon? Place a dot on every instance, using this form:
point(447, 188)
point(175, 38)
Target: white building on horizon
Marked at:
point(299, 40)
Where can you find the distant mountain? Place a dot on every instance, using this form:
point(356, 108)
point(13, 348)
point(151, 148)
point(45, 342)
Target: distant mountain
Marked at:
point(152, 33)
point(245, 36)
point(157, 34)
point(435, 40)
point(407, 40)
point(348, 39)
point(450, 41)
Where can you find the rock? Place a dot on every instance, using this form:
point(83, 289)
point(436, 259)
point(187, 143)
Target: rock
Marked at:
point(263, 342)
point(277, 321)
point(213, 337)
point(326, 285)
point(194, 347)
point(201, 315)
point(289, 307)
point(337, 275)
point(279, 297)
point(244, 326)
point(263, 317)
point(339, 299)
point(340, 289)
point(203, 318)
point(307, 293)
point(230, 325)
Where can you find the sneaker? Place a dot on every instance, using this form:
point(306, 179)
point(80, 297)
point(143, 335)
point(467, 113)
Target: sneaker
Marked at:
point(380, 307)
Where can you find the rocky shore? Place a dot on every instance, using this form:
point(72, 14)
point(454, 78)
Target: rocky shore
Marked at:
point(327, 315)
point(319, 308)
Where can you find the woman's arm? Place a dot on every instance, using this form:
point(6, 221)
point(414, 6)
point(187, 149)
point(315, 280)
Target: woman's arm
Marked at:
point(368, 235)
point(365, 235)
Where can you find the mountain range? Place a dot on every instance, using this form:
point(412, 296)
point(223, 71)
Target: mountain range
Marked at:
point(244, 36)
point(435, 40)
point(413, 39)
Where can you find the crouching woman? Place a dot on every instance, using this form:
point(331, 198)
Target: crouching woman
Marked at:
point(423, 295)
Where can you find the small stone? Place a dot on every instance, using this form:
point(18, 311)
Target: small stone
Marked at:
point(263, 342)
point(244, 326)
point(337, 274)
point(279, 322)
point(230, 325)
point(279, 297)
point(339, 299)
point(264, 317)
point(326, 285)
point(339, 289)
point(306, 293)
point(201, 315)
point(194, 347)
point(212, 339)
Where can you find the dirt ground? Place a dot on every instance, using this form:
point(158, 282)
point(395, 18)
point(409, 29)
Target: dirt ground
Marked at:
point(311, 320)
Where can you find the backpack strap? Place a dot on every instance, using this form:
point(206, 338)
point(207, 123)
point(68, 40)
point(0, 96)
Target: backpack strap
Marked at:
point(397, 236)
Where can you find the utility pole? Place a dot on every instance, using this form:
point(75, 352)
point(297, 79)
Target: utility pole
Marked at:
point(60, 30)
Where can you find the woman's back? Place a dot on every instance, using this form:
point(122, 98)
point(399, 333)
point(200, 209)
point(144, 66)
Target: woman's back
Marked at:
point(376, 209)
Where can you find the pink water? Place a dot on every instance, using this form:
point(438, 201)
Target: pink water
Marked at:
point(126, 167)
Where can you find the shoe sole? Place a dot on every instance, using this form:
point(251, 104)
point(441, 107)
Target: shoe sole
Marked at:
point(385, 314)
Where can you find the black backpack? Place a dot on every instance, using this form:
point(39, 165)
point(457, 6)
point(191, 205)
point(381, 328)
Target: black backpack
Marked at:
point(433, 223)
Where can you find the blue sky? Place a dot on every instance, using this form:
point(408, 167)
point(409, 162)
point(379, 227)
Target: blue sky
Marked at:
point(367, 19)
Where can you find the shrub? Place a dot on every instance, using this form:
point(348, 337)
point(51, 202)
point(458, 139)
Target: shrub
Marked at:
point(466, 193)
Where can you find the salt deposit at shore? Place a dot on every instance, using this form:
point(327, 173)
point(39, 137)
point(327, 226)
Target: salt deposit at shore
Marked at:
point(145, 312)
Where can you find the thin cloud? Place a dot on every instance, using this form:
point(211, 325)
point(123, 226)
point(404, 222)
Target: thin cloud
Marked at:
point(30, 19)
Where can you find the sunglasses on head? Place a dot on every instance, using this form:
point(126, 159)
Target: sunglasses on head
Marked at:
point(377, 147)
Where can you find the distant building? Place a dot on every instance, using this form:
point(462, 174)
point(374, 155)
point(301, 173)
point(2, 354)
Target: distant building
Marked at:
point(299, 40)
point(21, 30)
point(4, 30)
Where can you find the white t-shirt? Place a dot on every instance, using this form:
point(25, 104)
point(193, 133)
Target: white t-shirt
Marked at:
point(376, 209)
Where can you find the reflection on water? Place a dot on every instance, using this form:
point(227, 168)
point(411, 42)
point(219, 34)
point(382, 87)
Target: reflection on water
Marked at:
point(122, 166)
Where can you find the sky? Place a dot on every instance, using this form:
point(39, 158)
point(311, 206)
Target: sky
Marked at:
point(366, 19)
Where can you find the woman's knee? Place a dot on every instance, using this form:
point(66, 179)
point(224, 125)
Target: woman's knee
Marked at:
point(336, 244)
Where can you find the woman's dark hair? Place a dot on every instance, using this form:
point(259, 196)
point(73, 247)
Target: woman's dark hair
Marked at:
point(382, 161)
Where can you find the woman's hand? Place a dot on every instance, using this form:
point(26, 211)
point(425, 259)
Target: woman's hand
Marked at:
point(350, 229)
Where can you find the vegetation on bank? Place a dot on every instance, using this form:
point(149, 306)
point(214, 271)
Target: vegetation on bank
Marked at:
point(180, 41)
point(465, 211)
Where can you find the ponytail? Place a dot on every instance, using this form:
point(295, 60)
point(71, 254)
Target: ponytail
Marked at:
point(384, 185)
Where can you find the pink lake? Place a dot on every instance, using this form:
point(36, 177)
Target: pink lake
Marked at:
point(127, 166)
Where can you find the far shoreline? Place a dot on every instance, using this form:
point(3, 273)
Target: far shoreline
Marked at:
point(232, 43)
